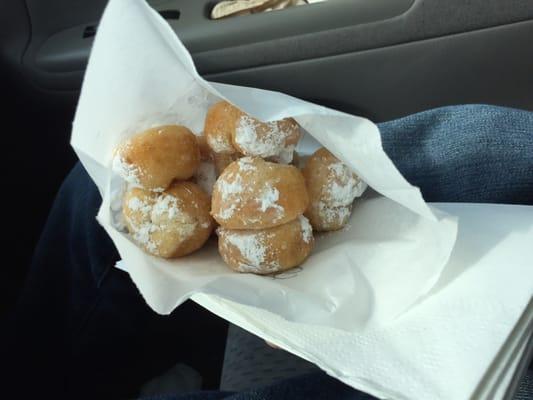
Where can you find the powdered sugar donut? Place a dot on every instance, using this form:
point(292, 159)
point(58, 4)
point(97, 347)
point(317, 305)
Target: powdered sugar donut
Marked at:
point(275, 140)
point(157, 156)
point(170, 224)
point(255, 194)
point(332, 188)
point(266, 251)
point(229, 130)
point(219, 125)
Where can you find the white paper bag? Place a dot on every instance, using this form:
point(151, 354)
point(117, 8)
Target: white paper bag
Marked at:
point(140, 75)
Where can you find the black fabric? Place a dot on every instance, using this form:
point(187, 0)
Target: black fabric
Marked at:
point(82, 330)
point(250, 363)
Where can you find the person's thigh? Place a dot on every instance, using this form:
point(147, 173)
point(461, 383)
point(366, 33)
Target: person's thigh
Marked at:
point(471, 153)
point(81, 328)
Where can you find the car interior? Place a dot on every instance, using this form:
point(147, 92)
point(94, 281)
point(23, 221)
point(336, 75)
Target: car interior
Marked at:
point(380, 59)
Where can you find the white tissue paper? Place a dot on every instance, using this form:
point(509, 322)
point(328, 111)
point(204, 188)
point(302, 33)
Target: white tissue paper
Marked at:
point(464, 340)
point(364, 307)
point(140, 75)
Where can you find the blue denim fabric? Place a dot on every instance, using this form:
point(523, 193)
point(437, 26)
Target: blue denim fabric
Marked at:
point(81, 329)
point(472, 153)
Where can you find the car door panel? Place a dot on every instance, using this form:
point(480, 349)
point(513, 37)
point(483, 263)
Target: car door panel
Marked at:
point(360, 53)
point(390, 82)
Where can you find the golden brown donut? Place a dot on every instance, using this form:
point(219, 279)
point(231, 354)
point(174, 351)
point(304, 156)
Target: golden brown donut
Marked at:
point(219, 125)
point(266, 251)
point(255, 194)
point(229, 130)
point(275, 140)
point(170, 224)
point(157, 156)
point(332, 187)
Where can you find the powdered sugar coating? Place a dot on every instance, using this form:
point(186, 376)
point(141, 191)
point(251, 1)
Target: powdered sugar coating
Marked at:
point(143, 236)
point(246, 164)
point(229, 189)
point(141, 228)
point(268, 199)
point(129, 172)
point(253, 249)
point(250, 247)
point(136, 204)
point(157, 214)
point(307, 230)
point(166, 204)
point(219, 144)
point(344, 186)
point(228, 212)
point(263, 140)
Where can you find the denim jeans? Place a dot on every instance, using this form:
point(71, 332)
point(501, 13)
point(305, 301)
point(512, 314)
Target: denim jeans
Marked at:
point(82, 330)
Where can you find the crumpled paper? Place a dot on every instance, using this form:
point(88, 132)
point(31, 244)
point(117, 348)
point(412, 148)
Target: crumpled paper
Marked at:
point(140, 75)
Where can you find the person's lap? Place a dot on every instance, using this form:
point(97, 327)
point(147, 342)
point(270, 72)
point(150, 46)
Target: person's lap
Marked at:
point(82, 327)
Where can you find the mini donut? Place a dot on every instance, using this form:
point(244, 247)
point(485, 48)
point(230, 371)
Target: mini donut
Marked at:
point(170, 224)
point(157, 156)
point(332, 187)
point(255, 194)
point(275, 140)
point(266, 251)
point(229, 130)
point(219, 125)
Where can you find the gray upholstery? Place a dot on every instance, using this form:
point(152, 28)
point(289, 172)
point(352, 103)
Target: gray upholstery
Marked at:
point(425, 19)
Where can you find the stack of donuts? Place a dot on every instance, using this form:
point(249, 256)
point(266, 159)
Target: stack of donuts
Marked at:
point(166, 214)
point(237, 175)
